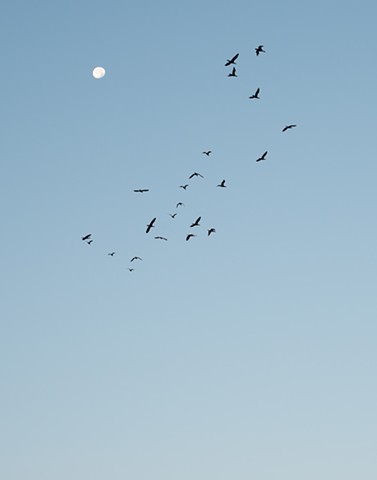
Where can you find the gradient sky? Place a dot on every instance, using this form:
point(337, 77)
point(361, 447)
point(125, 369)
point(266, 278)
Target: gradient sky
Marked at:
point(250, 354)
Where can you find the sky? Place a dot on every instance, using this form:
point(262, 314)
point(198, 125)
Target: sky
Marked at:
point(249, 354)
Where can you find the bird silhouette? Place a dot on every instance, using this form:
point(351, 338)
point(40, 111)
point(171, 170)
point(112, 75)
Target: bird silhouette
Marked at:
point(287, 127)
point(256, 94)
point(172, 215)
point(222, 184)
point(195, 174)
point(259, 49)
point(131, 269)
point(86, 237)
point(141, 190)
point(196, 223)
point(89, 242)
point(232, 61)
point(211, 230)
point(161, 238)
point(150, 225)
point(263, 157)
point(207, 153)
point(184, 186)
point(190, 235)
point(233, 73)
point(111, 254)
point(135, 258)
point(180, 204)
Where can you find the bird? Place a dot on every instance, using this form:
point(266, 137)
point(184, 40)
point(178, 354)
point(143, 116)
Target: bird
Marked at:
point(172, 215)
point(287, 127)
point(207, 153)
point(232, 61)
point(263, 157)
point(222, 184)
point(180, 204)
point(189, 236)
point(141, 190)
point(259, 49)
point(89, 242)
point(150, 225)
point(196, 223)
point(131, 269)
point(161, 238)
point(233, 73)
point(111, 254)
point(255, 94)
point(86, 237)
point(184, 186)
point(211, 230)
point(195, 174)
point(135, 258)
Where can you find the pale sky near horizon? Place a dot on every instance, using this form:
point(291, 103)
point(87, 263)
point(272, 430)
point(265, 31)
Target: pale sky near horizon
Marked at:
point(249, 354)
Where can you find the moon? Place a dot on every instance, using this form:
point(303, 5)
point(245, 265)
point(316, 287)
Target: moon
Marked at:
point(98, 72)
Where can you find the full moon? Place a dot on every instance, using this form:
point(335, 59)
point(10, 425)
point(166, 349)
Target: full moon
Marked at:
point(98, 72)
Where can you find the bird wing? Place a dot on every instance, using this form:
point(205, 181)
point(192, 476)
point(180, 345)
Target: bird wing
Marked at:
point(235, 57)
point(257, 92)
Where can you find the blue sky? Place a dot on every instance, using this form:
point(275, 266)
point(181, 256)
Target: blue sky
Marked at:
point(248, 354)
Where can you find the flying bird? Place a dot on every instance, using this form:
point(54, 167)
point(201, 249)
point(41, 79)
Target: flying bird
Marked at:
point(161, 238)
point(263, 157)
point(256, 94)
point(195, 174)
point(233, 73)
point(196, 223)
point(86, 237)
point(207, 153)
point(211, 230)
point(150, 225)
point(111, 254)
point(135, 258)
point(222, 184)
point(172, 215)
point(141, 190)
point(259, 49)
point(179, 204)
point(287, 127)
point(131, 269)
point(184, 186)
point(89, 242)
point(189, 236)
point(232, 61)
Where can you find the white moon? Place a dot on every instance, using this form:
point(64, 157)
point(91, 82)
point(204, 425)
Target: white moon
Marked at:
point(98, 72)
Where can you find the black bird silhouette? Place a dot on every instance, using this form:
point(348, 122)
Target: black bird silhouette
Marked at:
point(256, 94)
point(232, 61)
point(196, 223)
point(196, 174)
point(184, 186)
point(207, 153)
point(259, 49)
point(211, 230)
point(141, 190)
point(222, 184)
point(180, 204)
point(89, 242)
point(131, 269)
point(135, 258)
point(190, 235)
point(150, 225)
point(287, 127)
point(161, 238)
point(111, 254)
point(86, 237)
point(233, 73)
point(172, 215)
point(263, 157)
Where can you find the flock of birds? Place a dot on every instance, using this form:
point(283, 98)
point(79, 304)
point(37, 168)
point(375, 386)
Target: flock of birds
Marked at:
point(196, 223)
